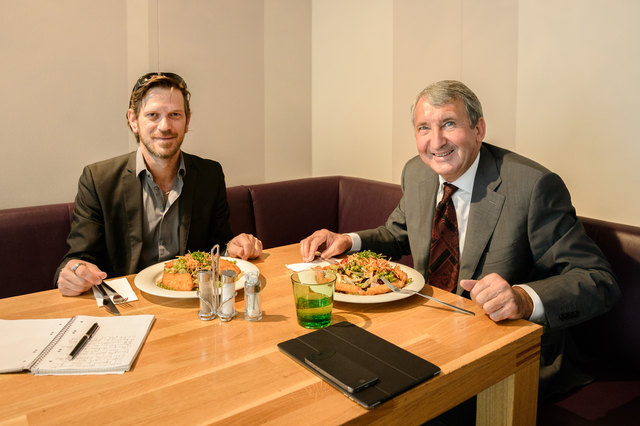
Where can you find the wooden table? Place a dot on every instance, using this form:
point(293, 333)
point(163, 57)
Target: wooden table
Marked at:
point(196, 372)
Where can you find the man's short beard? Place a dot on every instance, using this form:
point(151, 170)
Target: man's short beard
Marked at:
point(158, 155)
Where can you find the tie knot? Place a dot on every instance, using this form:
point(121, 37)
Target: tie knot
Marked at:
point(449, 189)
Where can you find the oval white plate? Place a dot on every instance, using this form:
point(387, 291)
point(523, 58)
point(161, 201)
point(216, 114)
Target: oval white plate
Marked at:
point(147, 278)
point(416, 284)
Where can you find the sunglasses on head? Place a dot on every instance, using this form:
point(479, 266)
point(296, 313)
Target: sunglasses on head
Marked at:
point(145, 79)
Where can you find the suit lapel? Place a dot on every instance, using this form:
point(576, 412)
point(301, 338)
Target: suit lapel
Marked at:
point(486, 206)
point(187, 200)
point(132, 193)
point(427, 191)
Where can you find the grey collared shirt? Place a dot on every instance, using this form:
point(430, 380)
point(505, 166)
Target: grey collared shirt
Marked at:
point(160, 221)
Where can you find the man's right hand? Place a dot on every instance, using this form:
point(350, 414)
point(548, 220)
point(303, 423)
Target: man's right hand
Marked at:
point(332, 244)
point(74, 283)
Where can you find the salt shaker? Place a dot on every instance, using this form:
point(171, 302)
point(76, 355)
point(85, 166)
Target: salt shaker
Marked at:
point(252, 310)
point(227, 308)
point(207, 310)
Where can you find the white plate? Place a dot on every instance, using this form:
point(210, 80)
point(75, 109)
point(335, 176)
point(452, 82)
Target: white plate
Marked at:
point(147, 278)
point(416, 284)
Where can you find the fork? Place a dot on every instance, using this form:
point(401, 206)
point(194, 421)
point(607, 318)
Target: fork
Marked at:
point(326, 259)
point(408, 291)
point(117, 299)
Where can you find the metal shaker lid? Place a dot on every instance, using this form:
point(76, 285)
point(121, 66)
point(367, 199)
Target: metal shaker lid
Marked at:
point(251, 283)
point(227, 276)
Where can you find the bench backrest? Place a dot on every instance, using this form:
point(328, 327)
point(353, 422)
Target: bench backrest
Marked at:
point(615, 336)
point(32, 243)
point(286, 212)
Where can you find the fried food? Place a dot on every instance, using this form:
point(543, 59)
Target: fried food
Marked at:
point(180, 282)
point(360, 273)
point(182, 273)
point(226, 265)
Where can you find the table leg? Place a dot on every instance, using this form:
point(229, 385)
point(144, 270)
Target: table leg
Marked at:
point(512, 401)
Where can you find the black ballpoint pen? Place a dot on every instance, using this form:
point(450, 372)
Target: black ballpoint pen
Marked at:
point(81, 344)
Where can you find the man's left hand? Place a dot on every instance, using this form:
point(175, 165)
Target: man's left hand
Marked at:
point(244, 246)
point(498, 298)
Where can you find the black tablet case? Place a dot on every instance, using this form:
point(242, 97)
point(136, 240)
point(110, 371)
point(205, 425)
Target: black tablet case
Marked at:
point(397, 369)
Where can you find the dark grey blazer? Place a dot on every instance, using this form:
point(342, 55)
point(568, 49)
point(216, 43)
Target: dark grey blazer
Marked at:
point(521, 226)
point(107, 219)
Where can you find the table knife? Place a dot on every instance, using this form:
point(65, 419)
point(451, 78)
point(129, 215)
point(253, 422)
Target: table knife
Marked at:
point(117, 298)
point(408, 291)
point(106, 301)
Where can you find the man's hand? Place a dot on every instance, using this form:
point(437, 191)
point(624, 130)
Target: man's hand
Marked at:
point(332, 243)
point(244, 246)
point(498, 299)
point(74, 283)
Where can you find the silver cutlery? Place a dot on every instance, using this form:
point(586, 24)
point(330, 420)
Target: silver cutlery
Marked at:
point(325, 259)
point(408, 291)
point(115, 296)
point(106, 302)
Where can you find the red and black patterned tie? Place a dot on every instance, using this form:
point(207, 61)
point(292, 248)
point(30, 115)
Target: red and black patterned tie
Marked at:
point(444, 263)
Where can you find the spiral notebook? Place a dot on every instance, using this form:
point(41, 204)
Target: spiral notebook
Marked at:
point(42, 346)
point(396, 370)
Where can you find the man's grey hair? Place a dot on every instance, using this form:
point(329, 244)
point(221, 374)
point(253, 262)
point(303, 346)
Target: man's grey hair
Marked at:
point(447, 91)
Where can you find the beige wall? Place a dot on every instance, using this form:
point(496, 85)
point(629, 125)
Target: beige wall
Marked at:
point(352, 88)
point(64, 94)
point(287, 91)
point(295, 88)
point(577, 110)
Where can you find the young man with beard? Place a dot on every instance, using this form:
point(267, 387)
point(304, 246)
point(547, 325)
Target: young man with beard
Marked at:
point(151, 205)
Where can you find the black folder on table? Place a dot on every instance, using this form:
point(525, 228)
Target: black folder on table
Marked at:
point(396, 369)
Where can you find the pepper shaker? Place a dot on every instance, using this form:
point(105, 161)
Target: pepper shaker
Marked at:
point(252, 310)
point(205, 293)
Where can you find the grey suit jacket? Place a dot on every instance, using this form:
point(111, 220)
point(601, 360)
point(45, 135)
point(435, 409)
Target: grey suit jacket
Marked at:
point(521, 226)
point(107, 219)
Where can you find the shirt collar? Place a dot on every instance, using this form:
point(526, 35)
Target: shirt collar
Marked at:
point(141, 166)
point(465, 182)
